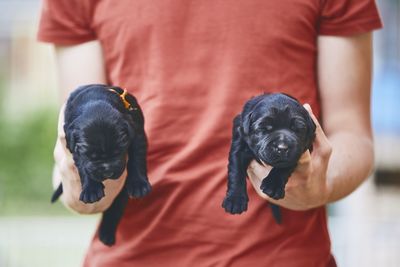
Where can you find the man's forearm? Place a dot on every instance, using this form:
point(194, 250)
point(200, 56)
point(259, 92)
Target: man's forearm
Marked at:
point(350, 164)
point(344, 79)
point(78, 65)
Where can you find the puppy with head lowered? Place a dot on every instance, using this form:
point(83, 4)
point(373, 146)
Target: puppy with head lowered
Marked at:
point(104, 131)
point(273, 129)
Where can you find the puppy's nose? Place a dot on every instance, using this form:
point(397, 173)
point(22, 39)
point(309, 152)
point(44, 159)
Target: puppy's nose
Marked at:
point(282, 148)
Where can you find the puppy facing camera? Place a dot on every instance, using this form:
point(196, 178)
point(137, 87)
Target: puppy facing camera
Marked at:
point(273, 129)
point(104, 131)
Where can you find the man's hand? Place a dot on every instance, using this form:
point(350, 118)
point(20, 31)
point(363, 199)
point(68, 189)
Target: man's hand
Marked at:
point(307, 187)
point(66, 172)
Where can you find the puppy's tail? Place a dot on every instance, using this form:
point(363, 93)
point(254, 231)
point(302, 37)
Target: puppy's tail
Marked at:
point(57, 193)
point(276, 212)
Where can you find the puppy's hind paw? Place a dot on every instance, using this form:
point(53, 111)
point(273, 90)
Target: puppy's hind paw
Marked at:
point(92, 193)
point(235, 204)
point(107, 239)
point(138, 188)
point(271, 189)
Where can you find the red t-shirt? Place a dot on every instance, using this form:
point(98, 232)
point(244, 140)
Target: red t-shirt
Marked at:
point(192, 65)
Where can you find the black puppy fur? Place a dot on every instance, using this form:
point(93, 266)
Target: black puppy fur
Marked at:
point(101, 132)
point(274, 129)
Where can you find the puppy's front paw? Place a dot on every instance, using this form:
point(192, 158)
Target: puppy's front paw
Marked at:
point(107, 239)
point(138, 188)
point(273, 189)
point(92, 193)
point(235, 204)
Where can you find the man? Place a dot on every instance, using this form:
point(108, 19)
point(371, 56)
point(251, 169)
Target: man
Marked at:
point(192, 65)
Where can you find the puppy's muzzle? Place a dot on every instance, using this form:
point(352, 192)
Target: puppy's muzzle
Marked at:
point(108, 171)
point(280, 150)
point(280, 147)
point(113, 171)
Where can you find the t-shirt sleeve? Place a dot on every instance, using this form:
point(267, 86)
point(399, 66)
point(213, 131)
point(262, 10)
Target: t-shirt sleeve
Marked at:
point(66, 22)
point(348, 17)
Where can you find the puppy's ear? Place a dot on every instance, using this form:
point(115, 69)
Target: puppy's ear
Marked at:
point(129, 126)
point(129, 130)
point(246, 122)
point(311, 127)
point(248, 112)
point(71, 139)
point(71, 136)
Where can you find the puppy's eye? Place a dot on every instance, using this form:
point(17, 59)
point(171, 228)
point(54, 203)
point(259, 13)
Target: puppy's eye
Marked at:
point(267, 124)
point(266, 127)
point(297, 126)
point(269, 127)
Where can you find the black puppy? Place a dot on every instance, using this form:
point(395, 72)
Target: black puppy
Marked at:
point(104, 131)
point(274, 129)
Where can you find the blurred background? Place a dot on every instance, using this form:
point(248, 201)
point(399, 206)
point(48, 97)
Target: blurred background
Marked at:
point(365, 227)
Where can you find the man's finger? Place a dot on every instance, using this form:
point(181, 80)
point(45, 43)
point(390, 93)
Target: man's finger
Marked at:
point(58, 152)
point(303, 165)
point(60, 126)
point(258, 169)
point(60, 129)
point(318, 131)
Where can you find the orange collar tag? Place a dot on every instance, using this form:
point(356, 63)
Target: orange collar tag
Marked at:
point(123, 98)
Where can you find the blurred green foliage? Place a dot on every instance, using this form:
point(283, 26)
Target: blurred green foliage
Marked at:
point(26, 162)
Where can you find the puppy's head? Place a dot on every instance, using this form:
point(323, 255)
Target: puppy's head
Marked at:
point(99, 141)
point(277, 128)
